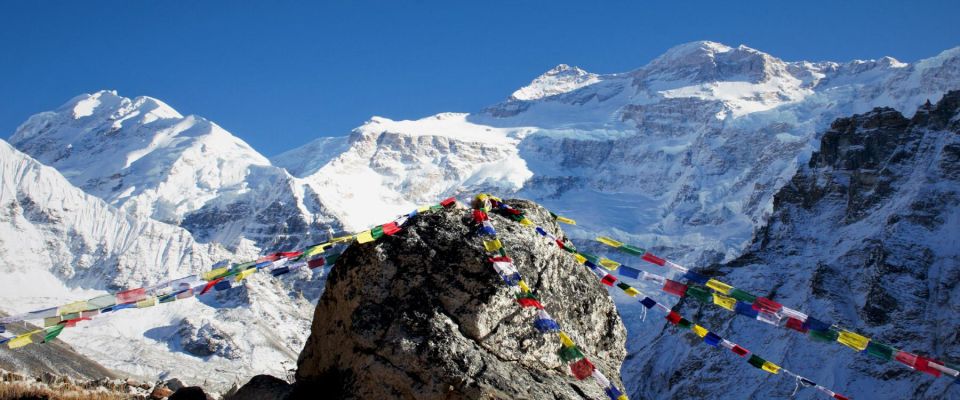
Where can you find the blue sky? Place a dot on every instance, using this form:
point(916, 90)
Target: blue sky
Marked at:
point(279, 74)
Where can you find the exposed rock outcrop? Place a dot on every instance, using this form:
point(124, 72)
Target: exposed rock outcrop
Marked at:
point(423, 315)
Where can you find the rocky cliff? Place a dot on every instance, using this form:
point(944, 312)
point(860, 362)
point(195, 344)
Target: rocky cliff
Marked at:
point(866, 236)
point(423, 315)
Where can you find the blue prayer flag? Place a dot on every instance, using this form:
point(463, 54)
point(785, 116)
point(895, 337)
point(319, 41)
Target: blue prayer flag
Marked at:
point(712, 339)
point(541, 231)
point(648, 302)
point(488, 230)
point(590, 264)
point(630, 272)
point(3, 328)
point(222, 285)
point(280, 271)
point(746, 309)
point(5, 339)
point(695, 277)
point(816, 325)
point(612, 392)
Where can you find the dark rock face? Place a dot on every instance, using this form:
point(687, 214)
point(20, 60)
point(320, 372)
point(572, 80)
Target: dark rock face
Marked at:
point(865, 236)
point(423, 315)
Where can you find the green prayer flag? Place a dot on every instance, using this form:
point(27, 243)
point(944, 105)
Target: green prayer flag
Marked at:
point(377, 232)
point(592, 258)
point(824, 336)
point(699, 293)
point(742, 296)
point(67, 317)
point(684, 324)
point(632, 250)
point(571, 353)
point(331, 259)
point(880, 350)
point(755, 361)
point(436, 207)
point(53, 333)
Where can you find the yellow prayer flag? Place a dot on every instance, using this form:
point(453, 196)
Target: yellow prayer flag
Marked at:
point(724, 301)
point(632, 292)
point(148, 302)
point(318, 249)
point(771, 367)
point(719, 286)
point(523, 286)
point(492, 245)
point(609, 264)
point(565, 340)
point(364, 237)
point(51, 321)
point(700, 331)
point(566, 220)
point(22, 340)
point(495, 198)
point(580, 259)
point(245, 273)
point(526, 222)
point(609, 242)
point(423, 208)
point(339, 239)
point(74, 307)
point(853, 340)
point(623, 397)
point(214, 273)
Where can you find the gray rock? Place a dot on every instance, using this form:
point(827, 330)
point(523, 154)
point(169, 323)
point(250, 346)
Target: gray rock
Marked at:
point(423, 315)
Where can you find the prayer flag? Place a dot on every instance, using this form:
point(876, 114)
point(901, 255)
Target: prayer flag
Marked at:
point(582, 369)
point(695, 278)
point(756, 361)
point(648, 302)
point(853, 340)
point(526, 222)
point(206, 288)
point(316, 262)
point(65, 317)
point(768, 317)
point(907, 359)
point(677, 267)
point(209, 275)
point(740, 351)
point(245, 273)
point(448, 202)
point(377, 232)
point(746, 310)
point(608, 280)
point(291, 254)
point(765, 304)
point(684, 323)
point(529, 300)
point(724, 301)
point(630, 272)
point(149, 302)
point(824, 336)
point(944, 369)
point(280, 271)
point(609, 264)
point(365, 237)
point(89, 313)
point(673, 317)
point(565, 339)
point(523, 286)
point(632, 250)
point(925, 365)
point(880, 350)
point(609, 242)
point(719, 286)
point(390, 228)
point(771, 367)
point(675, 288)
point(492, 245)
point(743, 296)
point(816, 325)
point(99, 302)
point(796, 325)
point(580, 259)
point(712, 339)
point(650, 258)
point(698, 293)
point(654, 277)
point(700, 331)
point(222, 285)
point(565, 220)
point(789, 312)
point(314, 250)
point(591, 258)
point(51, 321)
point(613, 393)
point(839, 396)
point(38, 314)
point(74, 307)
point(545, 323)
point(330, 259)
point(568, 354)
point(487, 229)
point(53, 333)
point(185, 293)
point(22, 340)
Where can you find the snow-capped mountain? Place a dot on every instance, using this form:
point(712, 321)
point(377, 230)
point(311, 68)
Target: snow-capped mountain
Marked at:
point(59, 244)
point(866, 236)
point(149, 160)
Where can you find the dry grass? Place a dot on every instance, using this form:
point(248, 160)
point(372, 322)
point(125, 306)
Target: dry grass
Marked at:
point(30, 391)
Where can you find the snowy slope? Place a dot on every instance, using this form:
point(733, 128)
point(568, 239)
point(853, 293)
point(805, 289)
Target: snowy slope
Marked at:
point(867, 236)
point(59, 244)
point(146, 158)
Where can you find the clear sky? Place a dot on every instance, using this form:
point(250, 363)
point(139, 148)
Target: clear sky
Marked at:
point(279, 73)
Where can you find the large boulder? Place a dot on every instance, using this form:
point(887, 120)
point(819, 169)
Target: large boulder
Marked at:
point(423, 315)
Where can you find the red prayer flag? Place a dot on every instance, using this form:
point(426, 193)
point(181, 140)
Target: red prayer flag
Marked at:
point(673, 317)
point(839, 396)
point(448, 202)
point(500, 259)
point(907, 359)
point(290, 254)
point(271, 257)
point(796, 325)
point(923, 365)
point(739, 350)
point(73, 322)
point(479, 216)
point(528, 302)
point(675, 288)
point(206, 288)
point(608, 280)
point(765, 304)
point(514, 211)
point(582, 369)
point(132, 295)
point(316, 262)
point(649, 257)
point(391, 228)
point(560, 243)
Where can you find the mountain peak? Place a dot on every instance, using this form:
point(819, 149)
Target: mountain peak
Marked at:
point(558, 80)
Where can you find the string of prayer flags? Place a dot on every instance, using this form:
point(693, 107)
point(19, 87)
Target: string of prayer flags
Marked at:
point(563, 220)
point(545, 323)
point(22, 340)
point(853, 340)
point(528, 299)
